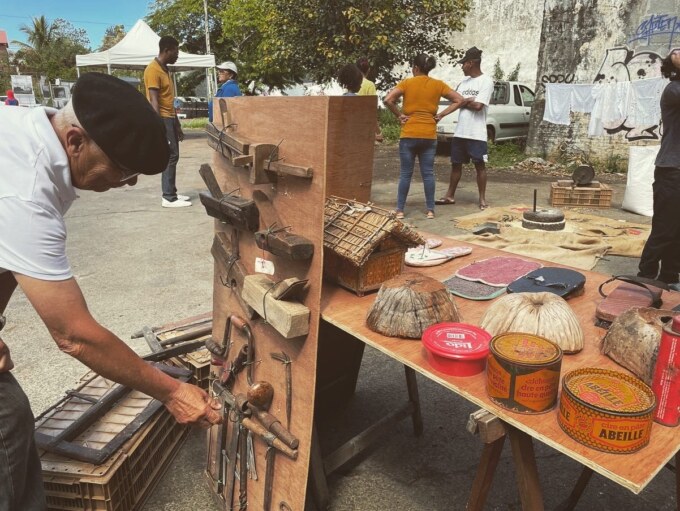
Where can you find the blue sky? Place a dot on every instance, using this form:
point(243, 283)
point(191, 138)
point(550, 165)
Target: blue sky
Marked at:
point(94, 16)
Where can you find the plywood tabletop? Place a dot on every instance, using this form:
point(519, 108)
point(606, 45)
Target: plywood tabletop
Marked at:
point(633, 471)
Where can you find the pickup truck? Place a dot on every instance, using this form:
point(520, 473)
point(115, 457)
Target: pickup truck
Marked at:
point(506, 119)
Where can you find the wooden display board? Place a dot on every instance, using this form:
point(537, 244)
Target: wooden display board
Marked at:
point(328, 143)
point(633, 471)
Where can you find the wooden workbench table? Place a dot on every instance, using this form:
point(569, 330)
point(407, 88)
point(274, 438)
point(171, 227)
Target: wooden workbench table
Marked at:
point(634, 471)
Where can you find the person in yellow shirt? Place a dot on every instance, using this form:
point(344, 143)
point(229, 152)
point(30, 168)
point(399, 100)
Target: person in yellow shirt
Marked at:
point(368, 89)
point(419, 118)
point(160, 92)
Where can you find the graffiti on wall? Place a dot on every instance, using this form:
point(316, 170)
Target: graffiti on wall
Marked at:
point(624, 64)
point(657, 30)
point(558, 78)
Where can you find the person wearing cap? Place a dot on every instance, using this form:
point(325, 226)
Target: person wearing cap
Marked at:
point(227, 75)
point(469, 141)
point(160, 92)
point(94, 144)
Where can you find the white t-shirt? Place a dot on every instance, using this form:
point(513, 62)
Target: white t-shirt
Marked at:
point(472, 124)
point(35, 193)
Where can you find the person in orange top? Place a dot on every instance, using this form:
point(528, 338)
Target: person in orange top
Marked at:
point(419, 118)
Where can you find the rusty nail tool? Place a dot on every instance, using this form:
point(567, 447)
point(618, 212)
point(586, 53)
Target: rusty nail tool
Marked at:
point(286, 361)
point(252, 470)
point(243, 469)
point(270, 456)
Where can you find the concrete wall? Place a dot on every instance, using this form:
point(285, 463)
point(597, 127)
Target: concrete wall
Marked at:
point(587, 41)
point(509, 30)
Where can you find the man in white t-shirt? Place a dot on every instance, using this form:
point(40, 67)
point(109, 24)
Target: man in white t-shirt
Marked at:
point(469, 140)
point(103, 138)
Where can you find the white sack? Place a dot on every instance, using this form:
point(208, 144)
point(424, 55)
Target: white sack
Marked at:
point(639, 197)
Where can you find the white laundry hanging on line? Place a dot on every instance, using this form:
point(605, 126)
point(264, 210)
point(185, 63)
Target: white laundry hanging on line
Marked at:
point(557, 103)
point(582, 99)
point(611, 106)
point(645, 107)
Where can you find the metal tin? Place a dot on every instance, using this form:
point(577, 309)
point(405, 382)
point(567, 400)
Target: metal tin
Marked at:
point(666, 381)
point(456, 349)
point(523, 372)
point(606, 410)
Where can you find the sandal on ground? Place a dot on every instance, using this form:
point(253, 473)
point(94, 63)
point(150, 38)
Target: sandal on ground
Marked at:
point(430, 215)
point(443, 201)
point(483, 206)
point(399, 215)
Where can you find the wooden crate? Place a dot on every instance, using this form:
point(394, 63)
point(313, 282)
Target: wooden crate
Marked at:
point(124, 481)
point(198, 362)
point(383, 264)
point(595, 195)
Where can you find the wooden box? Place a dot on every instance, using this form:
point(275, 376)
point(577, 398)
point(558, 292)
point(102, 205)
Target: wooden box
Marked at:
point(383, 264)
point(124, 481)
point(198, 362)
point(594, 195)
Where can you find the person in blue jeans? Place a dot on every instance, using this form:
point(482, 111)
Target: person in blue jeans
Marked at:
point(419, 118)
point(227, 75)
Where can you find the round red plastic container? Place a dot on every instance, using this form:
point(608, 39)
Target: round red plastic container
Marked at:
point(456, 349)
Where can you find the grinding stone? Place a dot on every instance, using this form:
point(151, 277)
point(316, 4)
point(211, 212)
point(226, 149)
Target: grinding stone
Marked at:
point(544, 226)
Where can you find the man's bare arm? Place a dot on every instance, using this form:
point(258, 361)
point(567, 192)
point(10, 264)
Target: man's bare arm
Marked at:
point(62, 307)
point(471, 104)
point(457, 102)
point(153, 99)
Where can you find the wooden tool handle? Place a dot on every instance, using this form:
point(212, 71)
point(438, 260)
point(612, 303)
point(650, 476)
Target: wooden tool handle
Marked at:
point(259, 430)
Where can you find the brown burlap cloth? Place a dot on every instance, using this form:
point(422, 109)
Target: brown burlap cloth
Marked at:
point(585, 239)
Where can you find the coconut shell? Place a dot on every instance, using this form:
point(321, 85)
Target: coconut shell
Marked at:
point(406, 305)
point(633, 340)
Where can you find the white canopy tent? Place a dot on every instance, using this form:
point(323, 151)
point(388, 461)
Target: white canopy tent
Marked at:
point(137, 49)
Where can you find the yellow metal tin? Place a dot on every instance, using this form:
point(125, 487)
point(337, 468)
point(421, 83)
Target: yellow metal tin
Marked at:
point(523, 372)
point(606, 410)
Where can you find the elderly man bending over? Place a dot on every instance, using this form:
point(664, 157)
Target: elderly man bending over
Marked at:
point(94, 143)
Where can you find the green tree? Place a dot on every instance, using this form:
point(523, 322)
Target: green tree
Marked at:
point(322, 36)
point(276, 42)
point(248, 27)
point(112, 36)
point(514, 74)
point(51, 48)
point(498, 70)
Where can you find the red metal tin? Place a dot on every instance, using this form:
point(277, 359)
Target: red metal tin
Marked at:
point(456, 349)
point(666, 381)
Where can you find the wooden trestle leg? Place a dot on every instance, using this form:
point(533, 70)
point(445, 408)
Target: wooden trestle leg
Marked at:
point(525, 465)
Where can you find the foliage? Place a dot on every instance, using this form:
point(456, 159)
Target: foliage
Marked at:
point(514, 74)
point(611, 164)
point(250, 29)
point(112, 36)
point(498, 70)
point(194, 124)
point(184, 20)
point(322, 36)
point(389, 125)
point(278, 42)
point(505, 154)
point(51, 49)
